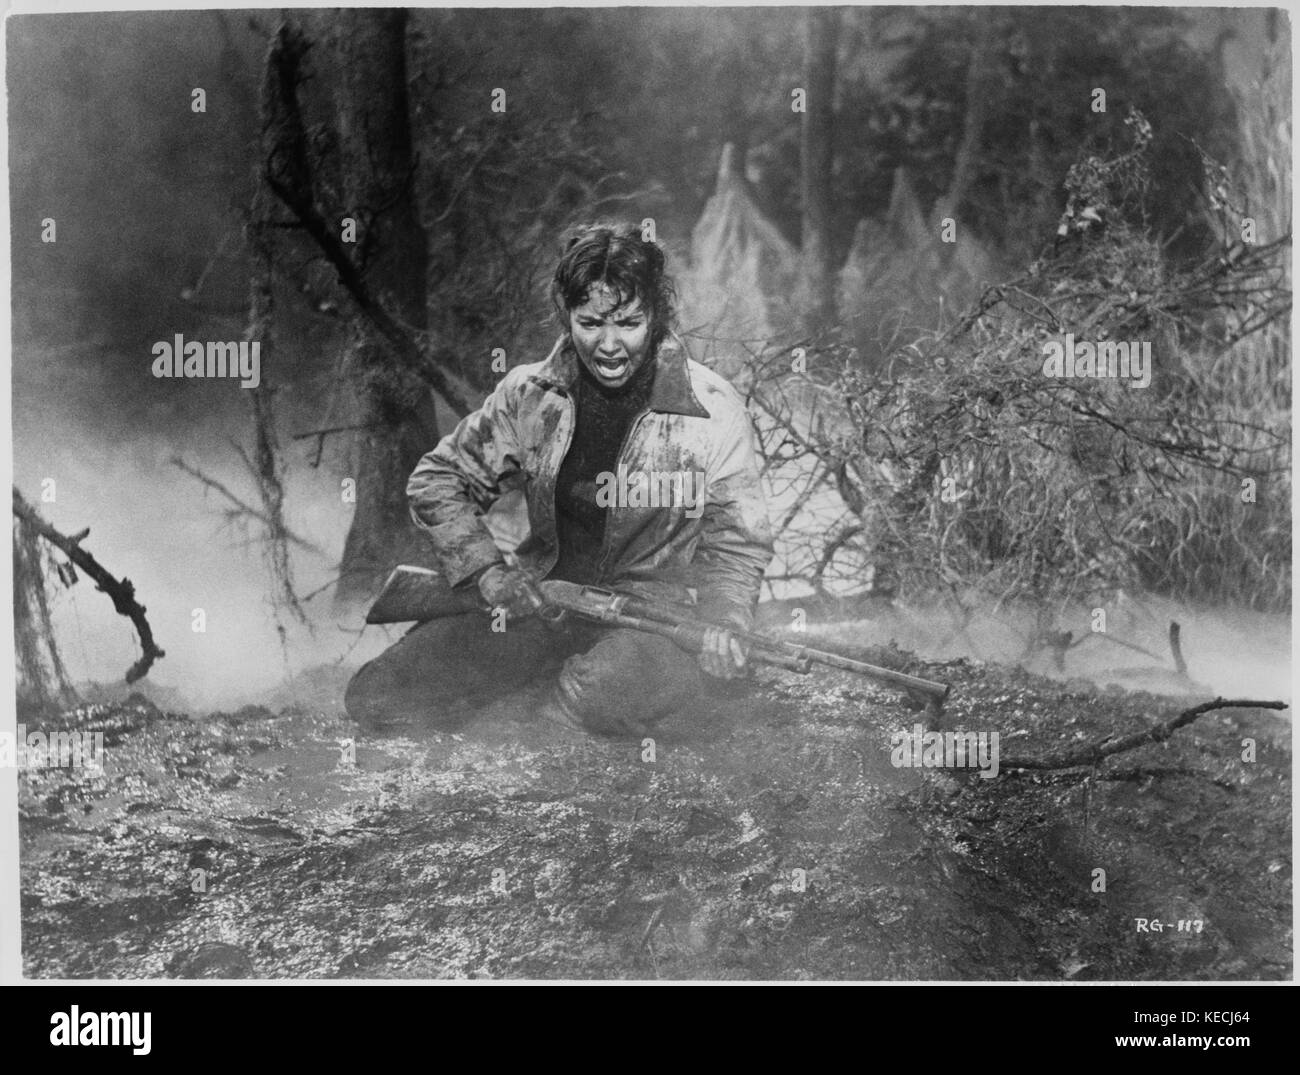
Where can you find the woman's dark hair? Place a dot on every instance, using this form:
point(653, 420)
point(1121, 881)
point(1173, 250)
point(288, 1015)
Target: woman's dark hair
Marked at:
point(617, 256)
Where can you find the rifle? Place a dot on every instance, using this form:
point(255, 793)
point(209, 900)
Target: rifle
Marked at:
point(418, 594)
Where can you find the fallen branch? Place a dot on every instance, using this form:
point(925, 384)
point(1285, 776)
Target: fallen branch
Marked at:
point(1093, 753)
point(1136, 775)
point(122, 591)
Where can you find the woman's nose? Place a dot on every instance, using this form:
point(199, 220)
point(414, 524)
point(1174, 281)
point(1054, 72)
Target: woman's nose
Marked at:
point(609, 341)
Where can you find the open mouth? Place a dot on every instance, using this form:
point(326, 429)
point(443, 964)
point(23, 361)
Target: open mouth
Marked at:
point(610, 369)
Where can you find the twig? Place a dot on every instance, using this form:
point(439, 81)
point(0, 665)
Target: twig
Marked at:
point(1106, 637)
point(246, 508)
point(1137, 773)
point(122, 591)
point(327, 432)
point(650, 926)
point(321, 589)
point(1175, 646)
point(1091, 753)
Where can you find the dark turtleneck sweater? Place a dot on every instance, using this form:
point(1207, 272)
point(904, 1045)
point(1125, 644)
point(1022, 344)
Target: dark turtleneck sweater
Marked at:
point(602, 420)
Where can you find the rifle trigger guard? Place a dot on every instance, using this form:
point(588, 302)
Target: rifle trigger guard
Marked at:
point(552, 614)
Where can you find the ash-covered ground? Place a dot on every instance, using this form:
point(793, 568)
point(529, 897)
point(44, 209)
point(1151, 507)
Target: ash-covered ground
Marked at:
point(250, 845)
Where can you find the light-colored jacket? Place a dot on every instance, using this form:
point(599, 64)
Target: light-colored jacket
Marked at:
point(695, 424)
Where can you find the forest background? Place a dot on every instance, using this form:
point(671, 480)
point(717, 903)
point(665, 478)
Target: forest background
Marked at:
point(915, 452)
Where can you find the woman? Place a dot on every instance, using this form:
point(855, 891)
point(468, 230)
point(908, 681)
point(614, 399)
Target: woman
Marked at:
point(639, 474)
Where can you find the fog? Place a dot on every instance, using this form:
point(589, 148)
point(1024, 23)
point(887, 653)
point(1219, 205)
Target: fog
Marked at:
point(148, 198)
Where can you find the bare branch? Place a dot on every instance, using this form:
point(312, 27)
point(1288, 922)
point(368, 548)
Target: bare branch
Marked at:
point(121, 591)
point(242, 506)
point(1093, 753)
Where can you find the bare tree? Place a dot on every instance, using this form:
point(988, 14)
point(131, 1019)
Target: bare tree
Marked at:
point(392, 257)
point(381, 260)
point(966, 162)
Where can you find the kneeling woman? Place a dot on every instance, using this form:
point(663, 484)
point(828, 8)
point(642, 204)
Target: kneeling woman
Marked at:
point(640, 474)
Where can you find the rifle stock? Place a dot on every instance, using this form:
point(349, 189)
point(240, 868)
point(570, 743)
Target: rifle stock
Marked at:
point(417, 595)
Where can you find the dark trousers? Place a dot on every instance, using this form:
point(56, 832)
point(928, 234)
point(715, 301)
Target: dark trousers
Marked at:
point(614, 681)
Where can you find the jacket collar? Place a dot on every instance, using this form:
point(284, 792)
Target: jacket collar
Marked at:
point(670, 394)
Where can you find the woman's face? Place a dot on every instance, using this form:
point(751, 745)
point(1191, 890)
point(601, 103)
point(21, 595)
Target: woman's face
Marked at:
point(612, 341)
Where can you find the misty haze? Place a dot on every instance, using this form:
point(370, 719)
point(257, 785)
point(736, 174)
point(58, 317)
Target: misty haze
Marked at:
point(263, 265)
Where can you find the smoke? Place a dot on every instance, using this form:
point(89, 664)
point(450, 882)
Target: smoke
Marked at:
point(146, 195)
point(161, 529)
point(192, 566)
point(104, 141)
point(1235, 653)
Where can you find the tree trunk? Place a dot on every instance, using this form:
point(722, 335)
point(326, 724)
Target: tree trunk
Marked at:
point(822, 26)
point(392, 255)
point(966, 162)
point(43, 683)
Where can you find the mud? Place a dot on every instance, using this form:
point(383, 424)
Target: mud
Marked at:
point(770, 838)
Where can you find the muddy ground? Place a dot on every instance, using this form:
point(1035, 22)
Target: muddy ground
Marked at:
point(252, 845)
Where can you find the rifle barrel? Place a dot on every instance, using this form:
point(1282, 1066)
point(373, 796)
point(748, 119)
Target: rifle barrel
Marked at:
point(677, 624)
point(689, 635)
point(936, 690)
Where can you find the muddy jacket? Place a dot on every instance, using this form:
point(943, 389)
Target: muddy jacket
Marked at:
point(686, 509)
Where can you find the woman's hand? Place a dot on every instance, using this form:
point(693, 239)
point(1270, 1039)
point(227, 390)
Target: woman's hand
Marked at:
point(511, 589)
point(723, 655)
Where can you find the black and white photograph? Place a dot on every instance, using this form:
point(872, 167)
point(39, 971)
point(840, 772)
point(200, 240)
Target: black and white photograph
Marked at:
point(649, 494)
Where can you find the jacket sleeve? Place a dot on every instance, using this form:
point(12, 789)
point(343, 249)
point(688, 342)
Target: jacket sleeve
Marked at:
point(736, 542)
point(455, 484)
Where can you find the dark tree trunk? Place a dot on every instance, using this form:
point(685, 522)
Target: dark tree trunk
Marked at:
point(966, 162)
point(822, 26)
point(391, 252)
